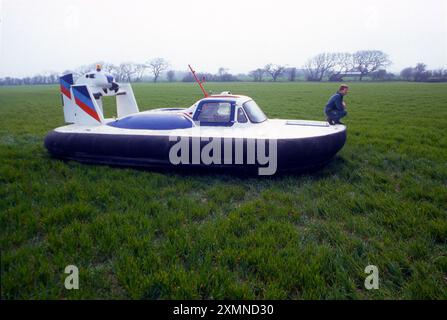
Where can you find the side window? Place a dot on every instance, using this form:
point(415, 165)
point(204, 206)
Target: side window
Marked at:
point(241, 118)
point(218, 112)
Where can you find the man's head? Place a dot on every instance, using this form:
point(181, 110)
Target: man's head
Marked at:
point(343, 89)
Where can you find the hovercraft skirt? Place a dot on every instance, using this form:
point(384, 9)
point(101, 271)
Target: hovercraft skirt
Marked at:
point(153, 150)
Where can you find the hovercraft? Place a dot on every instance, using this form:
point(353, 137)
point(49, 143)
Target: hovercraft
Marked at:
point(218, 131)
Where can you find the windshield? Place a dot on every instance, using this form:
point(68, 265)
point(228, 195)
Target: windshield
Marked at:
point(253, 111)
point(215, 112)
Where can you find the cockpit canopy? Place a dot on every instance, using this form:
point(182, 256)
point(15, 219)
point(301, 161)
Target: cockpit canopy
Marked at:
point(213, 111)
point(226, 112)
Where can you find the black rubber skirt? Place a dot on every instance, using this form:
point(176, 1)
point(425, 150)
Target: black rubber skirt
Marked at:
point(153, 151)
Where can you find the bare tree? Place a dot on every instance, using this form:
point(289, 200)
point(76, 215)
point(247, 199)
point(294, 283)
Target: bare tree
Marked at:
point(127, 71)
point(170, 75)
point(367, 61)
point(274, 70)
point(224, 76)
point(319, 66)
point(380, 74)
point(439, 74)
point(222, 71)
point(407, 74)
point(48, 77)
point(157, 66)
point(291, 74)
point(420, 72)
point(343, 63)
point(257, 74)
point(140, 68)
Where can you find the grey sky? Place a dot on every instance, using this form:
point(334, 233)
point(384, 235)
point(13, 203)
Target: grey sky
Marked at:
point(56, 35)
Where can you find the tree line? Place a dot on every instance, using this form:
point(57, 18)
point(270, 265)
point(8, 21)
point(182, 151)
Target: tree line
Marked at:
point(327, 66)
point(419, 73)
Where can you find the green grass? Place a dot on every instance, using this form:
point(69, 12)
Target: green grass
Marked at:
point(152, 235)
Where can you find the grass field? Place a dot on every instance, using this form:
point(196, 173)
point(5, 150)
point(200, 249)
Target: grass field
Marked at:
point(156, 235)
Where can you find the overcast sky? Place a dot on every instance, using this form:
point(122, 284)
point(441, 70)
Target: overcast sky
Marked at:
point(56, 35)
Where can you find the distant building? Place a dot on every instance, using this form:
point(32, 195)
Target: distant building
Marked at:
point(340, 76)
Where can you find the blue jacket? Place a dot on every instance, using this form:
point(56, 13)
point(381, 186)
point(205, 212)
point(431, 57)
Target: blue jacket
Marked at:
point(335, 103)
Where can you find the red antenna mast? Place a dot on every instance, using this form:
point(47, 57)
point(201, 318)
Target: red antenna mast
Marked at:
point(199, 82)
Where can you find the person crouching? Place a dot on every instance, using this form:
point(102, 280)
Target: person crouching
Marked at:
point(336, 108)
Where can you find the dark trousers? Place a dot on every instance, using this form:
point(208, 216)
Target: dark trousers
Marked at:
point(335, 115)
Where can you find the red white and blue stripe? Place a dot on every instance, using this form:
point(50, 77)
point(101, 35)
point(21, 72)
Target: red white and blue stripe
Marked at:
point(84, 101)
point(66, 82)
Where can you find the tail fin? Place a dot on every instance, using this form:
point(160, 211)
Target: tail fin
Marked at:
point(85, 107)
point(66, 82)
